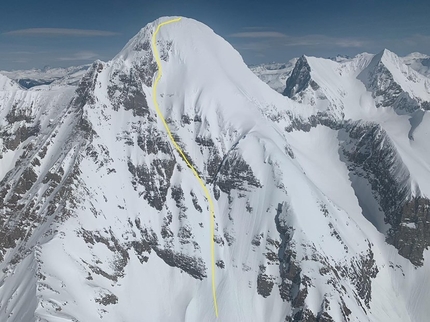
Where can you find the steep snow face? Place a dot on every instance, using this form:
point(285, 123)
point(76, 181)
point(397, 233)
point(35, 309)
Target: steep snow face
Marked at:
point(113, 225)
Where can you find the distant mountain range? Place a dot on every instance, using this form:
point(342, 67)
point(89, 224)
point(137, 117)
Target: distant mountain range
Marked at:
point(36, 77)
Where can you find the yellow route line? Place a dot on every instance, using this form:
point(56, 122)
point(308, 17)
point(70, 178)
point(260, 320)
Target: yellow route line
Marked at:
point(178, 148)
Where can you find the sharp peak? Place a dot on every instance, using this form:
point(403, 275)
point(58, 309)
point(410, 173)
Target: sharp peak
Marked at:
point(308, 58)
point(386, 53)
point(391, 61)
point(302, 60)
point(160, 20)
point(303, 57)
point(145, 34)
point(386, 58)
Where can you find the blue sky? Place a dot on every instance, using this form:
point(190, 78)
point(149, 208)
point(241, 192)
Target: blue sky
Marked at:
point(65, 33)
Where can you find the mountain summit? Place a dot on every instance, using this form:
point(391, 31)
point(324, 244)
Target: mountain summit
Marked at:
point(321, 196)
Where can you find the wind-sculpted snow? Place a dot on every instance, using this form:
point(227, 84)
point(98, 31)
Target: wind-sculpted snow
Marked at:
point(316, 204)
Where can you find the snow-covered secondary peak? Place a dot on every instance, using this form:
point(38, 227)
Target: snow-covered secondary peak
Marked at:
point(324, 83)
point(388, 73)
point(389, 59)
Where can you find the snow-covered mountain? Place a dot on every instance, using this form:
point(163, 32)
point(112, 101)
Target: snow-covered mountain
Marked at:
point(321, 194)
point(36, 77)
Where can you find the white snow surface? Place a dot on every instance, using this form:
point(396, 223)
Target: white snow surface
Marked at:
point(88, 259)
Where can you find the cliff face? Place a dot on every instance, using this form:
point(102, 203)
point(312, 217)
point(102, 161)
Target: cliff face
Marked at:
point(411, 235)
point(299, 79)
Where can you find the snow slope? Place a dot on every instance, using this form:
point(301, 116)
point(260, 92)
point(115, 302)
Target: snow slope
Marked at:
point(105, 220)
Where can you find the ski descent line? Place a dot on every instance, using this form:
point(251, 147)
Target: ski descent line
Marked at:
point(178, 148)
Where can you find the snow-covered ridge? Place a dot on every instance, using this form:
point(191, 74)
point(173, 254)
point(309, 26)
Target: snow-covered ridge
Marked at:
point(7, 84)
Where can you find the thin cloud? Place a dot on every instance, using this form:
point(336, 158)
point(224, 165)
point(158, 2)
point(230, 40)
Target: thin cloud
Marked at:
point(258, 34)
point(56, 32)
point(20, 61)
point(254, 46)
point(408, 44)
point(273, 39)
point(82, 55)
point(279, 40)
point(255, 28)
point(416, 39)
point(322, 40)
point(22, 52)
